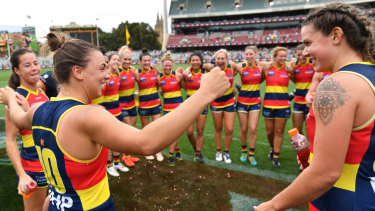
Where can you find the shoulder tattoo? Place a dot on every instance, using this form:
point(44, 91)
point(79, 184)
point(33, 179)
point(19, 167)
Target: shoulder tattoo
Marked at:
point(329, 96)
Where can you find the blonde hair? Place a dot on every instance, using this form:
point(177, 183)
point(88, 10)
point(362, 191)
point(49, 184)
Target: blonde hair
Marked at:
point(124, 50)
point(253, 48)
point(225, 52)
point(167, 57)
point(277, 49)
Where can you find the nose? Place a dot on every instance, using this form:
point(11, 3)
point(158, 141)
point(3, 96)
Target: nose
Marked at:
point(107, 76)
point(305, 52)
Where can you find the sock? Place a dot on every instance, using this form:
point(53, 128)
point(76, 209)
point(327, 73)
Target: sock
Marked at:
point(170, 154)
point(116, 159)
point(109, 163)
point(197, 152)
point(226, 151)
point(178, 150)
point(251, 151)
point(127, 155)
point(218, 150)
point(244, 149)
point(276, 154)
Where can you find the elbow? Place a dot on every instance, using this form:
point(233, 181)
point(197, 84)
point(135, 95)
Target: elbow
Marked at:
point(332, 177)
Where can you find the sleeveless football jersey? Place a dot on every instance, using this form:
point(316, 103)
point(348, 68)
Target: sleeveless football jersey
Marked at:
point(171, 91)
point(148, 93)
point(126, 89)
point(29, 157)
point(251, 78)
point(110, 98)
point(73, 184)
point(303, 75)
point(355, 189)
point(276, 95)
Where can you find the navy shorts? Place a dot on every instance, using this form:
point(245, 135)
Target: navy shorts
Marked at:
point(281, 113)
point(230, 108)
point(300, 108)
point(38, 177)
point(243, 108)
point(149, 111)
point(129, 112)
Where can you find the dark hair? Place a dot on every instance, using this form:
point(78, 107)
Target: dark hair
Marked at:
point(145, 52)
point(14, 80)
point(68, 54)
point(111, 55)
point(199, 55)
point(357, 27)
point(103, 50)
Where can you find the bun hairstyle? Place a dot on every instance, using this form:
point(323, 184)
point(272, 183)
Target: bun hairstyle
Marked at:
point(167, 57)
point(67, 53)
point(124, 50)
point(145, 52)
point(14, 80)
point(357, 27)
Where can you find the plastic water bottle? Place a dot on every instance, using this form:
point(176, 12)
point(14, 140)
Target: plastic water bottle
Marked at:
point(301, 145)
point(238, 86)
point(30, 186)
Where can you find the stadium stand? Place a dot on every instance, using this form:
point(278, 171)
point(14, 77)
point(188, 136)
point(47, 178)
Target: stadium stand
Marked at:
point(232, 24)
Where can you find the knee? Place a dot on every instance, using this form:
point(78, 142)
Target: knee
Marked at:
point(229, 131)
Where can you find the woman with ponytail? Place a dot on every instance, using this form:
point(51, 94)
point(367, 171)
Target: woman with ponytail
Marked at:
point(339, 38)
point(24, 80)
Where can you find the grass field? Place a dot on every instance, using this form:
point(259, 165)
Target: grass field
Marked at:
point(288, 162)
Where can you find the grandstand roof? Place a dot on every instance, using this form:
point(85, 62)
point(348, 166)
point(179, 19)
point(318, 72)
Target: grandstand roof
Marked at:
point(198, 8)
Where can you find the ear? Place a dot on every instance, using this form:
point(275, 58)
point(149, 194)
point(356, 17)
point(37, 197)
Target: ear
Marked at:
point(336, 35)
point(77, 72)
point(17, 71)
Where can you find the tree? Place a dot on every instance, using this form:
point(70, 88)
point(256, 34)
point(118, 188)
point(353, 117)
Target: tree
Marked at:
point(141, 36)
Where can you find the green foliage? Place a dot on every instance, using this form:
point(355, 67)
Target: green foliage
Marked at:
point(141, 36)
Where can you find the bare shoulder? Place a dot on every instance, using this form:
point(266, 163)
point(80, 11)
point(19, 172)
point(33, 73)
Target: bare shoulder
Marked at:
point(336, 95)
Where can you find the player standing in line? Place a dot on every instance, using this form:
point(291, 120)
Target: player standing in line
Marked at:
point(128, 77)
point(149, 101)
point(276, 104)
point(249, 102)
point(170, 84)
point(224, 108)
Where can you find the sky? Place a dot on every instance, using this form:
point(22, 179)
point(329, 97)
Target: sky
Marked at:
point(106, 14)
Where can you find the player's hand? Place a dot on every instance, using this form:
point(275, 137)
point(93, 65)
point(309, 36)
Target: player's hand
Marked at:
point(6, 94)
point(214, 83)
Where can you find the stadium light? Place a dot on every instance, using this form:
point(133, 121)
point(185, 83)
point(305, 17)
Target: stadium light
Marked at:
point(208, 4)
point(237, 3)
point(181, 6)
point(271, 2)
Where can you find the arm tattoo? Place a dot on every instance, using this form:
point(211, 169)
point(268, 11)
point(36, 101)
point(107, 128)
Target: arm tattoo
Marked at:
point(329, 96)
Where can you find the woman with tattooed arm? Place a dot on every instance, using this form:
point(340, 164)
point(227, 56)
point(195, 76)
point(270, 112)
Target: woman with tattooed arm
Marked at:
point(339, 38)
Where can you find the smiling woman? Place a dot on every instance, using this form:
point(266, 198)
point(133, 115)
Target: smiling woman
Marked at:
point(339, 38)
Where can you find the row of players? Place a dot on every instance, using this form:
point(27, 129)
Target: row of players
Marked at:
point(119, 99)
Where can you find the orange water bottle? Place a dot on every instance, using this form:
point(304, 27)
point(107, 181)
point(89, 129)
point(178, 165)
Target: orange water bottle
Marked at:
point(30, 186)
point(301, 145)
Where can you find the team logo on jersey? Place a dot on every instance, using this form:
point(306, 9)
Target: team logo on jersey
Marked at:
point(124, 78)
point(309, 71)
point(257, 74)
point(284, 75)
point(142, 79)
point(42, 142)
point(174, 80)
point(111, 83)
point(190, 80)
point(245, 74)
point(153, 77)
point(162, 82)
point(45, 76)
point(297, 71)
point(271, 73)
